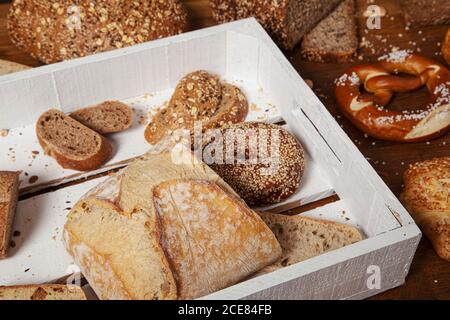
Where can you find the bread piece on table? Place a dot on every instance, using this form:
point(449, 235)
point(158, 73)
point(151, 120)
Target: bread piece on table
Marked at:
point(426, 12)
point(427, 198)
point(53, 31)
point(446, 47)
point(199, 96)
point(287, 21)
point(211, 240)
point(72, 144)
point(42, 292)
point(302, 238)
point(7, 67)
point(9, 185)
point(106, 117)
point(119, 252)
point(335, 38)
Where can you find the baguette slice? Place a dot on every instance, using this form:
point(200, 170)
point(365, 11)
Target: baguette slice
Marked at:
point(302, 238)
point(211, 240)
point(42, 292)
point(334, 39)
point(73, 145)
point(9, 185)
point(106, 117)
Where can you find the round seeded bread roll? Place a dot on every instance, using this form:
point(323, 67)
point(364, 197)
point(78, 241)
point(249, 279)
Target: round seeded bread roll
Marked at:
point(53, 31)
point(271, 169)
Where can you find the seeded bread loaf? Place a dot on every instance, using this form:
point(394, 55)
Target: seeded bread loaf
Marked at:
point(42, 292)
point(9, 184)
point(302, 238)
point(426, 12)
point(106, 117)
point(73, 145)
point(198, 98)
point(334, 39)
point(53, 31)
point(287, 21)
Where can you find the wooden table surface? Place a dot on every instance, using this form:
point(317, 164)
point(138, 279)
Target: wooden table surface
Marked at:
point(429, 277)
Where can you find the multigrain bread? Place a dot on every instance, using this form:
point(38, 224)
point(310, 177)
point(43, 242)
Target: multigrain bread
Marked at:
point(118, 242)
point(427, 198)
point(53, 31)
point(211, 240)
point(73, 145)
point(267, 164)
point(42, 292)
point(302, 238)
point(426, 12)
point(7, 67)
point(287, 21)
point(446, 47)
point(334, 39)
point(199, 98)
point(106, 117)
point(9, 185)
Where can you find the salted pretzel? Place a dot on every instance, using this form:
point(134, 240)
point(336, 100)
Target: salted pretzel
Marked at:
point(368, 110)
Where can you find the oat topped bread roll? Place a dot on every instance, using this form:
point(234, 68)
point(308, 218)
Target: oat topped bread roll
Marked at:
point(427, 198)
point(53, 31)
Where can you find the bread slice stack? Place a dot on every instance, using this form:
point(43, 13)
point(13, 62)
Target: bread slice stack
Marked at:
point(173, 230)
point(9, 185)
point(42, 292)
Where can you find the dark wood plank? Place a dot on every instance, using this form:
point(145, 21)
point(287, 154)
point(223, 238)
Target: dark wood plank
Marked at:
point(429, 277)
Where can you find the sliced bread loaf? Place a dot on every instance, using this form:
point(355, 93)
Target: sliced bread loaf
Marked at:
point(106, 117)
point(302, 238)
point(73, 145)
point(426, 12)
point(9, 185)
point(42, 292)
point(334, 39)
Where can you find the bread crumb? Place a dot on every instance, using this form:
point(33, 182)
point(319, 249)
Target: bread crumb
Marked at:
point(4, 132)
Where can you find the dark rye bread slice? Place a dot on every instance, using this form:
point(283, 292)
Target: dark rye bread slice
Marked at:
point(9, 185)
point(286, 21)
point(335, 38)
point(106, 117)
point(73, 145)
point(426, 12)
point(302, 238)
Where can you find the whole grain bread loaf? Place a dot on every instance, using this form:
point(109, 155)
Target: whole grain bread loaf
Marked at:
point(426, 12)
point(335, 38)
point(287, 21)
point(106, 117)
point(73, 145)
point(42, 292)
point(9, 184)
point(53, 31)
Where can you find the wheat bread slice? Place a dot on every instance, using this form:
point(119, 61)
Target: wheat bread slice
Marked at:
point(9, 185)
point(42, 292)
point(334, 39)
point(73, 145)
point(119, 252)
point(211, 240)
point(302, 238)
point(106, 117)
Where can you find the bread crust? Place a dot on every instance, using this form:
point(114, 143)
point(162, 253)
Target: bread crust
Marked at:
point(446, 47)
point(9, 193)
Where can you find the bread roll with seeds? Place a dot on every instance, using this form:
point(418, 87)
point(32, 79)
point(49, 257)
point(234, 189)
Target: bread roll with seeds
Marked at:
point(199, 96)
point(275, 174)
point(53, 31)
point(73, 145)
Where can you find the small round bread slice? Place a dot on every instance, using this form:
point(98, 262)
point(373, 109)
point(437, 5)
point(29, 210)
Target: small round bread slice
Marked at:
point(70, 143)
point(106, 117)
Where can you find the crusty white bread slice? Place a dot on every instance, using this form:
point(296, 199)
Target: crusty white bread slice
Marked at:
point(211, 240)
point(302, 238)
point(118, 253)
point(106, 117)
point(73, 145)
point(42, 292)
point(9, 185)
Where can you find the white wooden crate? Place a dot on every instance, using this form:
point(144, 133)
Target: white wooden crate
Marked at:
point(144, 76)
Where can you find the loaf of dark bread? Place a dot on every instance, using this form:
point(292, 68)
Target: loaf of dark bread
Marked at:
point(287, 21)
point(54, 31)
point(426, 12)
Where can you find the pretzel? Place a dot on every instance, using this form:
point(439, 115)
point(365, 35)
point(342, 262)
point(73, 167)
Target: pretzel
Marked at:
point(368, 110)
